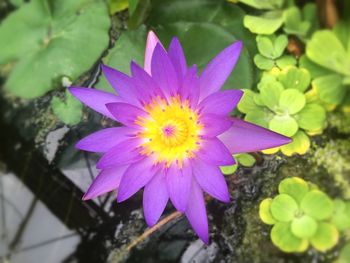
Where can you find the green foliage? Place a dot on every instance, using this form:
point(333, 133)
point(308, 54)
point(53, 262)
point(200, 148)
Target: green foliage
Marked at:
point(47, 40)
point(344, 254)
point(328, 60)
point(68, 111)
point(302, 215)
point(243, 159)
point(117, 5)
point(282, 106)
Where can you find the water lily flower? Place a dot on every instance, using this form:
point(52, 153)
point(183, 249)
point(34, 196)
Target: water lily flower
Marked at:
point(176, 132)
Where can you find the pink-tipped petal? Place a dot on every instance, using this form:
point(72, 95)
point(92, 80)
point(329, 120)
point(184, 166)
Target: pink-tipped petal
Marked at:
point(247, 137)
point(179, 185)
point(177, 57)
point(135, 177)
point(196, 213)
point(104, 140)
point(125, 113)
point(152, 41)
point(221, 102)
point(214, 152)
point(126, 152)
point(189, 89)
point(211, 180)
point(219, 69)
point(213, 125)
point(155, 198)
point(95, 99)
point(107, 180)
point(163, 72)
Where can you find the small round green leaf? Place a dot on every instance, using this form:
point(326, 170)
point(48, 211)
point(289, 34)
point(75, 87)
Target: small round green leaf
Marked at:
point(270, 92)
point(263, 63)
point(266, 24)
point(283, 238)
point(325, 238)
point(340, 218)
point(283, 208)
point(304, 226)
point(312, 117)
point(286, 61)
point(295, 78)
point(265, 212)
point(317, 205)
point(285, 125)
point(299, 145)
point(292, 100)
point(265, 46)
point(227, 170)
point(245, 159)
point(295, 187)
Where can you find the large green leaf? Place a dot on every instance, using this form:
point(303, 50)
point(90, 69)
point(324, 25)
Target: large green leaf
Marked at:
point(330, 88)
point(266, 24)
point(48, 40)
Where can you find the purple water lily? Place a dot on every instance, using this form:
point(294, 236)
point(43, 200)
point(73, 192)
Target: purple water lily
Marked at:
point(176, 132)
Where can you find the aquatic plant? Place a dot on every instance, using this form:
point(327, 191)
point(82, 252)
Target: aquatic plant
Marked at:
point(344, 254)
point(302, 215)
point(283, 106)
point(176, 132)
point(243, 159)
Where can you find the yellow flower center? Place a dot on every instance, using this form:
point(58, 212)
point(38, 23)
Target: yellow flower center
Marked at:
point(171, 131)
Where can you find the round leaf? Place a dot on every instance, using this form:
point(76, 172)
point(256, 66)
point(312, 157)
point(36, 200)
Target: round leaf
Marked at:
point(266, 24)
point(270, 92)
point(263, 63)
point(265, 213)
point(326, 237)
point(312, 117)
point(340, 218)
point(295, 187)
point(245, 159)
point(247, 104)
point(330, 88)
point(283, 238)
point(227, 170)
point(286, 61)
point(299, 145)
point(317, 205)
point(304, 226)
point(292, 100)
point(295, 78)
point(259, 117)
point(285, 125)
point(283, 208)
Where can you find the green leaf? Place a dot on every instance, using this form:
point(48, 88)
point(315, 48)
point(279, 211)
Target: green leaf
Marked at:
point(325, 49)
point(292, 101)
point(304, 226)
point(270, 92)
point(312, 117)
point(259, 117)
point(266, 24)
point(117, 5)
point(283, 238)
point(264, 4)
point(314, 69)
point(293, 23)
point(295, 78)
point(265, 213)
point(317, 205)
point(340, 218)
point(295, 187)
point(263, 63)
point(330, 88)
point(52, 41)
point(271, 46)
point(247, 104)
point(228, 170)
point(132, 6)
point(285, 125)
point(299, 145)
point(344, 254)
point(326, 237)
point(140, 14)
point(245, 159)
point(130, 46)
point(17, 3)
point(283, 208)
point(70, 111)
point(286, 61)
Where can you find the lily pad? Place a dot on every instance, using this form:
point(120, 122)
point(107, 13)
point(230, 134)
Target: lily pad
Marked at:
point(52, 40)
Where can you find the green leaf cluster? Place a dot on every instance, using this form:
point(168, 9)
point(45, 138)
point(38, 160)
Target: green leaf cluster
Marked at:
point(43, 41)
point(302, 215)
point(328, 61)
point(243, 159)
point(281, 105)
point(271, 50)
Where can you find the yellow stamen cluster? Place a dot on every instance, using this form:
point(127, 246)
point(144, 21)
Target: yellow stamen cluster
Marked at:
point(171, 131)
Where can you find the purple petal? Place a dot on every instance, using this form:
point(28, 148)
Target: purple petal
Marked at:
point(123, 85)
point(214, 152)
point(177, 57)
point(125, 113)
point(211, 180)
point(155, 198)
point(123, 153)
point(247, 137)
point(145, 82)
point(104, 140)
point(95, 99)
point(179, 185)
point(196, 213)
point(221, 102)
point(213, 125)
point(107, 180)
point(163, 72)
point(190, 87)
point(219, 69)
point(152, 41)
point(135, 177)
